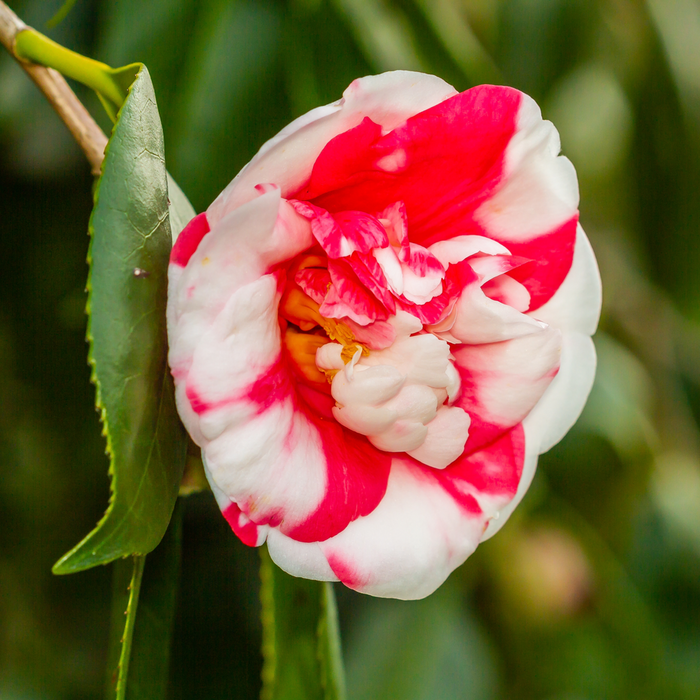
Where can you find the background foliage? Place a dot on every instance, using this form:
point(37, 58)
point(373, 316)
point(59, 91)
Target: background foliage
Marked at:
point(593, 588)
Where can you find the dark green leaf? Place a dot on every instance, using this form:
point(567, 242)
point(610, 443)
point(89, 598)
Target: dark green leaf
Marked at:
point(131, 241)
point(301, 646)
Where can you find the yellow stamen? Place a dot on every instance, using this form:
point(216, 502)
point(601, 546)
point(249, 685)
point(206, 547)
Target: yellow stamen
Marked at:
point(302, 311)
point(348, 351)
point(330, 373)
point(302, 349)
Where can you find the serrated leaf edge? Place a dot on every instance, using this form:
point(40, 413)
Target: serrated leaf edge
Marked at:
point(99, 406)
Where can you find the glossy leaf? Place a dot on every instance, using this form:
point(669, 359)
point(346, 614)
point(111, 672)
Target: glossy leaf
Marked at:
point(131, 241)
point(301, 645)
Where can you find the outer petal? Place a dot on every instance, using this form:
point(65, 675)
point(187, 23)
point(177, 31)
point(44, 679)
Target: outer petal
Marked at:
point(502, 382)
point(481, 163)
point(555, 413)
point(576, 304)
point(443, 163)
point(539, 192)
point(575, 309)
point(534, 211)
point(237, 251)
point(409, 545)
point(288, 158)
point(428, 523)
point(305, 559)
point(566, 396)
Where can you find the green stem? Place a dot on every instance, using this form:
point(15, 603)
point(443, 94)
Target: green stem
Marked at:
point(30, 45)
point(125, 654)
point(110, 84)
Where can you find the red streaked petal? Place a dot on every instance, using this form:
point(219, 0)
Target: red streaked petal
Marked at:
point(453, 157)
point(502, 382)
point(551, 255)
point(349, 297)
point(245, 528)
point(189, 239)
point(494, 470)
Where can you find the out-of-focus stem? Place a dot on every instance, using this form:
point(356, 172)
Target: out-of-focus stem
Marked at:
point(82, 126)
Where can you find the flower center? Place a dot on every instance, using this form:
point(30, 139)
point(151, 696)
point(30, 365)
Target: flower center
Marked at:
point(305, 330)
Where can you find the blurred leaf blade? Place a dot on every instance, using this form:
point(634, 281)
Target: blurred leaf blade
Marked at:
point(149, 654)
point(420, 650)
point(129, 251)
point(61, 14)
point(301, 644)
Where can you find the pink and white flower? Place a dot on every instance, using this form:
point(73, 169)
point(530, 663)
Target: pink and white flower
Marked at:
point(380, 324)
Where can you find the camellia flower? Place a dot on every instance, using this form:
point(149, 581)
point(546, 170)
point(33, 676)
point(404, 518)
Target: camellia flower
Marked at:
point(379, 325)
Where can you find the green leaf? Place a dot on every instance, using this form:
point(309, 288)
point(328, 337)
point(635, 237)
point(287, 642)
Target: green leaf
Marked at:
point(301, 644)
point(131, 241)
point(147, 659)
point(420, 650)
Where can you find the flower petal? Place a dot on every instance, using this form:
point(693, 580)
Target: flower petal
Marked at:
point(444, 443)
point(409, 545)
point(566, 396)
point(555, 413)
point(539, 192)
point(502, 382)
point(237, 251)
point(288, 158)
point(451, 160)
point(576, 304)
point(477, 319)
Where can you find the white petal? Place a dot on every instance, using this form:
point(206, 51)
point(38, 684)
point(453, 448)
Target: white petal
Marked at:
point(403, 436)
point(365, 419)
point(410, 543)
point(478, 319)
point(509, 292)
point(501, 518)
point(391, 267)
point(236, 252)
point(370, 386)
point(459, 248)
point(507, 379)
point(242, 342)
point(422, 359)
point(566, 396)
point(272, 464)
point(554, 414)
point(575, 306)
point(540, 189)
point(447, 434)
point(420, 289)
point(305, 559)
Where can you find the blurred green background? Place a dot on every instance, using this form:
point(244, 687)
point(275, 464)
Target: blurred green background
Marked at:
point(592, 590)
